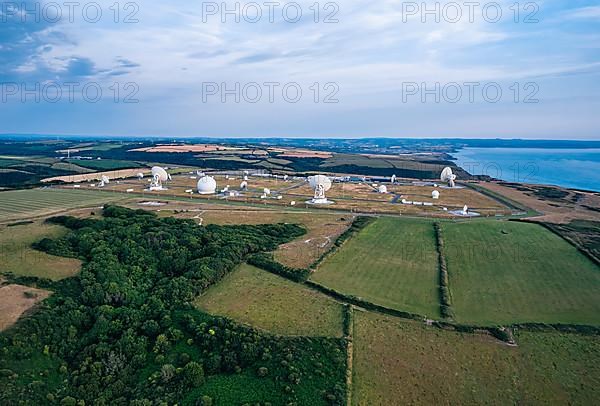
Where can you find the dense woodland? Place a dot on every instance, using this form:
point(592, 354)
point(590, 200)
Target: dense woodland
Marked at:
point(124, 332)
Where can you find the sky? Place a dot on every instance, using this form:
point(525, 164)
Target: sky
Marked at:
point(351, 68)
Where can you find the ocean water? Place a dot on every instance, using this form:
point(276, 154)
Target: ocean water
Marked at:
point(574, 168)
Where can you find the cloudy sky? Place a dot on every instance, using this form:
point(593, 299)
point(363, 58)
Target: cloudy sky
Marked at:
point(303, 69)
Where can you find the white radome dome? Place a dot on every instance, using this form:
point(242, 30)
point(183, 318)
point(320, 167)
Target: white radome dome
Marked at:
point(207, 185)
point(435, 194)
point(160, 173)
point(316, 180)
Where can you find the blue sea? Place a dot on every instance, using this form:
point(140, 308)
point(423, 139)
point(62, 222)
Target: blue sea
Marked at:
point(574, 168)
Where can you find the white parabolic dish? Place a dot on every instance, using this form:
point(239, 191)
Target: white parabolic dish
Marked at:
point(317, 180)
point(320, 184)
point(446, 174)
point(207, 185)
point(160, 174)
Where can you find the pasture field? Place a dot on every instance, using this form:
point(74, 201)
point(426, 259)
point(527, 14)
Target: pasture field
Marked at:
point(508, 272)
point(391, 262)
point(270, 302)
point(401, 362)
point(17, 256)
point(18, 204)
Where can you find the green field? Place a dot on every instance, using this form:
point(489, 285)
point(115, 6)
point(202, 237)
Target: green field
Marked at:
point(17, 256)
point(391, 262)
point(267, 301)
point(508, 272)
point(106, 164)
point(400, 362)
point(18, 204)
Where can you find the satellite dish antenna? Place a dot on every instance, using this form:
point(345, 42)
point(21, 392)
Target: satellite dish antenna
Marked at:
point(140, 175)
point(244, 185)
point(465, 210)
point(382, 189)
point(320, 184)
point(105, 180)
point(435, 194)
point(393, 178)
point(159, 175)
point(267, 191)
point(448, 176)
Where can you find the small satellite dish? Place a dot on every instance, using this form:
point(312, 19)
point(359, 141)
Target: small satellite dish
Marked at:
point(448, 176)
point(140, 175)
point(393, 180)
point(244, 185)
point(435, 194)
point(105, 180)
point(320, 184)
point(465, 210)
point(267, 191)
point(382, 189)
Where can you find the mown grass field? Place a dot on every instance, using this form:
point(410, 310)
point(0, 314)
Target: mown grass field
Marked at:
point(18, 204)
point(508, 272)
point(400, 362)
point(391, 262)
point(261, 299)
point(17, 256)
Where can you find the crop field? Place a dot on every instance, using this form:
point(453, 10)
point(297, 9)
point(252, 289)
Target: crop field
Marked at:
point(507, 272)
point(261, 299)
point(391, 262)
point(17, 256)
point(401, 362)
point(20, 204)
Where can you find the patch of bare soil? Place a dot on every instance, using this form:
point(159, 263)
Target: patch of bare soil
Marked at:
point(16, 300)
